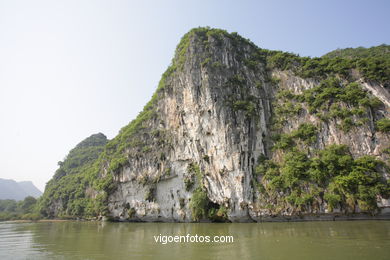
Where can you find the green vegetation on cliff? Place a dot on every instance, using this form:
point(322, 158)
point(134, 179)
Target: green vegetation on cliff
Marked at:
point(381, 51)
point(331, 99)
point(371, 68)
point(383, 125)
point(66, 194)
point(83, 155)
point(303, 177)
point(200, 205)
point(331, 174)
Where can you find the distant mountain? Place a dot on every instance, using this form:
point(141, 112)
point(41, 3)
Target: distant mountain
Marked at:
point(30, 188)
point(10, 189)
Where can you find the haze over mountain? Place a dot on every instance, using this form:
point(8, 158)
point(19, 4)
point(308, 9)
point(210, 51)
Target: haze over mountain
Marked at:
point(10, 189)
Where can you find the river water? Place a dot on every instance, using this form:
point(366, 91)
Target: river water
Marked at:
point(96, 240)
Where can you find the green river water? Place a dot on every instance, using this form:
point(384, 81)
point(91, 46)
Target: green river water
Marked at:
point(96, 240)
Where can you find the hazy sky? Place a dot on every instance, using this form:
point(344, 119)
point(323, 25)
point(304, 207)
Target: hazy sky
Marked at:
point(69, 69)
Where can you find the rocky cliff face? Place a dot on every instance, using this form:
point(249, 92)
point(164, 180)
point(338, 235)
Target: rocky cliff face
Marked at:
point(197, 114)
point(220, 129)
point(215, 110)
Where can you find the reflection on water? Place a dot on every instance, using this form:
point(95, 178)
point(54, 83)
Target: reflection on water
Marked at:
point(96, 240)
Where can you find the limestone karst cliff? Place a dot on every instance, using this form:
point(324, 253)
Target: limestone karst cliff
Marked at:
point(238, 133)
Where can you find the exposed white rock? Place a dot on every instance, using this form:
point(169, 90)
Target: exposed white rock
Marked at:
point(204, 129)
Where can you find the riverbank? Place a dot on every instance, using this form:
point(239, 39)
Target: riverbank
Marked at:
point(322, 217)
point(37, 221)
point(302, 218)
